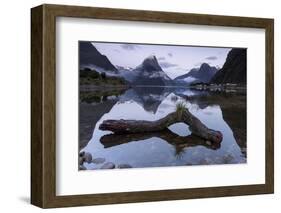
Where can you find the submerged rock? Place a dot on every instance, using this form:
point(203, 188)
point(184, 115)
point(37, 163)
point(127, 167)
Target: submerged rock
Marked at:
point(98, 160)
point(204, 162)
point(81, 160)
point(88, 157)
point(124, 166)
point(108, 165)
point(228, 158)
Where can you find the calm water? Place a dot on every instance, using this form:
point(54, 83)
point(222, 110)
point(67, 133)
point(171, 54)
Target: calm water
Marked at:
point(221, 111)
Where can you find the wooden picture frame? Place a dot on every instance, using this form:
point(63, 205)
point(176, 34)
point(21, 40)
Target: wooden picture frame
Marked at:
point(43, 105)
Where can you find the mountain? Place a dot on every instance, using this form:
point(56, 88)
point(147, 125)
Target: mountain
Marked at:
point(127, 73)
point(234, 68)
point(187, 78)
point(150, 64)
point(149, 72)
point(202, 74)
point(89, 56)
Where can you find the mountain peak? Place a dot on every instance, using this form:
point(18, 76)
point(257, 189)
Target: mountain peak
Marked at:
point(150, 73)
point(151, 57)
point(205, 65)
point(151, 64)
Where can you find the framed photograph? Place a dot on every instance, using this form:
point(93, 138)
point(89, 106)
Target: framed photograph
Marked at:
point(136, 106)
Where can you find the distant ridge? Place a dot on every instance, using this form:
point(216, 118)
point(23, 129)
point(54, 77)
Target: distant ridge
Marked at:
point(202, 74)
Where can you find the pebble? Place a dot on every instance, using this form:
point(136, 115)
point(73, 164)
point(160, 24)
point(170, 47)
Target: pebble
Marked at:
point(108, 165)
point(98, 160)
point(88, 157)
point(81, 154)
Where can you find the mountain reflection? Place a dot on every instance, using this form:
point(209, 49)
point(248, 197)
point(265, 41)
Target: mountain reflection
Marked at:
point(148, 97)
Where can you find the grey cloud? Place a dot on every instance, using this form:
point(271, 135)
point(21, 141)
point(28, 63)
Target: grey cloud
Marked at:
point(130, 46)
point(212, 58)
point(170, 54)
point(167, 64)
point(200, 63)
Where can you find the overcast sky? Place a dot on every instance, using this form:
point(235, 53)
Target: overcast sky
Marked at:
point(174, 60)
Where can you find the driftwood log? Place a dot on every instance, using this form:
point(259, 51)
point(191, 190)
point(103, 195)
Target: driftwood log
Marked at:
point(140, 126)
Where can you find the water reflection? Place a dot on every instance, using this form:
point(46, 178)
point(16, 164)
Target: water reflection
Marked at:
point(167, 135)
point(176, 145)
point(148, 97)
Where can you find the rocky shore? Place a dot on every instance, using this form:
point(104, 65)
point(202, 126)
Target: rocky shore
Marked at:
point(86, 157)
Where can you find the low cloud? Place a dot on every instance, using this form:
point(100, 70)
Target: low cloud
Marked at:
point(129, 46)
point(212, 58)
point(161, 59)
point(190, 79)
point(198, 64)
point(180, 68)
point(167, 64)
